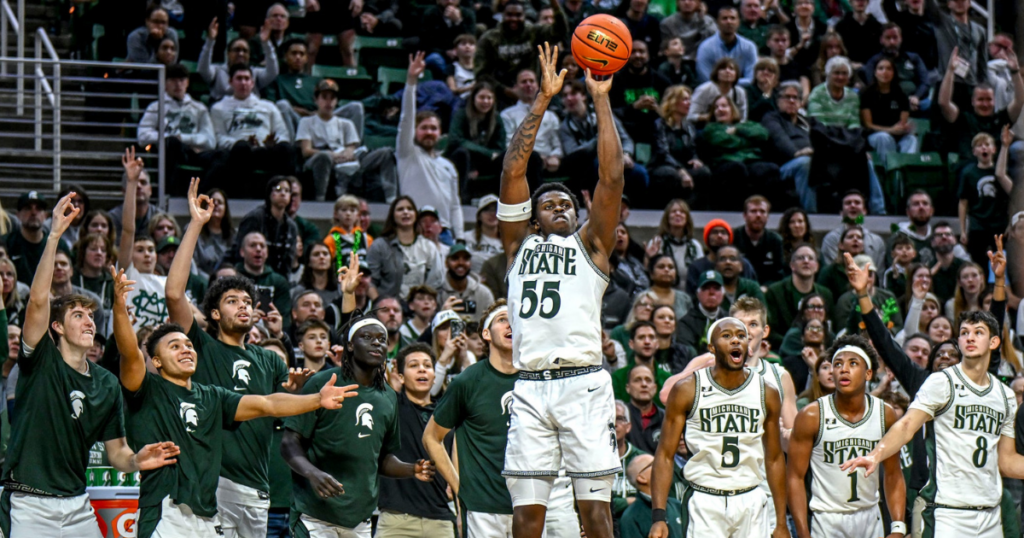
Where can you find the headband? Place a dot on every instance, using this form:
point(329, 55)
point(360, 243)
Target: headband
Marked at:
point(715, 324)
point(363, 323)
point(855, 350)
point(490, 318)
point(1016, 217)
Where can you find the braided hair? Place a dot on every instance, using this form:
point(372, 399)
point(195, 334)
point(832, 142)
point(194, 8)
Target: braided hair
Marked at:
point(348, 369)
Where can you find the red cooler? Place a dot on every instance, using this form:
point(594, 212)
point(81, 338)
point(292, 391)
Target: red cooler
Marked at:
point(116, 508)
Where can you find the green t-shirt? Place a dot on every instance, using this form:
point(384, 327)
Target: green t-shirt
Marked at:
point(296, 89)
point(987, 202)
point(348, 444)
point(249, 370)
point(61, 413)
point(280, 473)
point(478, 406)
point(620, 378)
point(194, 420)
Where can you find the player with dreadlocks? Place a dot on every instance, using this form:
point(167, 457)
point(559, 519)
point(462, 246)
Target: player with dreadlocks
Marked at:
point(353, 446)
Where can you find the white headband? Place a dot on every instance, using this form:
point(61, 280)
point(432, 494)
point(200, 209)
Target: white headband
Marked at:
point(1016, 217)
point(363, 323)
point(856, 351)
point(490, 318)
point(715, 324)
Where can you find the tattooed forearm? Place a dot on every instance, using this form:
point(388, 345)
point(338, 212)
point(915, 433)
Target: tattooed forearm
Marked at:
point(522, 142)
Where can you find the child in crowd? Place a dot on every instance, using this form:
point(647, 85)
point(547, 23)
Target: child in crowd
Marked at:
point(677, 71)
point(314, 343)
point(460, 73)
point(903, 254)
point(344, 226)
point(423, 305)
point(984, 196)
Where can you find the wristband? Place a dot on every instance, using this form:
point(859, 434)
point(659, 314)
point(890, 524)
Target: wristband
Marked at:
point(658, 515)
point(898, 526)
point(864, 296)
point(515, 212)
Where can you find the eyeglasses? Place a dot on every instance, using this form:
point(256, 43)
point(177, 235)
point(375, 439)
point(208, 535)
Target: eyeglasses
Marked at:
point(804, 258)
point(814, 328)
point(621, 419)
point(644, 305)
point(789, 97)
point(943, 234)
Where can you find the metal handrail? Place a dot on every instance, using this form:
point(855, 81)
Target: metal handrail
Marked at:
point(17, 23)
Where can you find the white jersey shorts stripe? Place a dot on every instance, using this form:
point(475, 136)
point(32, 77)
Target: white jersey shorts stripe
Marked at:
point(865, 523)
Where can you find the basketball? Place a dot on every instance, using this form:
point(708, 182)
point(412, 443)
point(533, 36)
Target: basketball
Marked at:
point(602, 43)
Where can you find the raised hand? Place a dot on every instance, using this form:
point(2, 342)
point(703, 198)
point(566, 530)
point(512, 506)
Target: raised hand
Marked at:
point(551, 79)
point(297, 378)
point(348, 277)
point(63, 215)
point(211, 30)
point(331, 396)
point(598, 88)
point(156, 455)
point(425, 470)
point(196, 202)
point(1006, 136)
point(133, 165)
point(859, 277)
point(265, 31)
point(122, 286)
point(417, 65)
point(997, 260)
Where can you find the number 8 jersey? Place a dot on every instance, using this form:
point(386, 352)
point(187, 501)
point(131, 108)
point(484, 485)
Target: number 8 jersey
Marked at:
point(554, 304)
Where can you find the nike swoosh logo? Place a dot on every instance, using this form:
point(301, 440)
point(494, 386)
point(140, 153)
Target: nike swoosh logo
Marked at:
point(603, 62)
point(592, 490)
point(831, 427)
point(363, 435)
point(241, 388)
point(593, 389)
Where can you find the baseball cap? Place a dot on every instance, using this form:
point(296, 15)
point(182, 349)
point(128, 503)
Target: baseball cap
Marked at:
point(710, 277)
point(486, 201)
point(169, 241)
point(429, 209)
point(326, 85)
point(863, 260)
point(32, 197)
point(457, 248)
point(443, 317)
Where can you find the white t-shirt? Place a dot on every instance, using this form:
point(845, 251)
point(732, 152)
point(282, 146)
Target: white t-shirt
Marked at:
point(463, 77)
point(148, 301)
point(482, 251)
point(333, 134)
point(420, 257)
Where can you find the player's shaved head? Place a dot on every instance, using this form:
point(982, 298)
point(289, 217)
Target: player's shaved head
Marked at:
point(728, 342)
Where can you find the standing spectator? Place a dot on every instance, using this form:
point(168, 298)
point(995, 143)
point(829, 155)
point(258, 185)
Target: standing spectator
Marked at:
point(461, 75)
point(548, 145)
point(270, 284)
point(253, 132)
point(917, 30)
point(144, 41)
point(504, 52)
point(912, 74)
point(423, 173)
point(675, 168)
point(25, 246)
point(459, 282)
point(861, 32)
point(885, 113)
point(278, 20)
point(645, 416)
point(762, 247)
point(784, 297)
point(795, 229)
point(484, 242)
point(144, 209)
point(676, 69)
point(960, 42)
point(642, 25)
point(983, 118)
point(693, 327)
point(805, 33)
point(440, 34)
point(984, 196)
point(690, 24)
point(576, 11)
point(1000, 76)
point(220, 76)
point(728, 263)
point(727, 44)
point(733, 149)
point(724, 80)
point(217, 236)
point(402, 259)
point(636, 93)
point(189, 138)
point(272, 221)
point(477, 139)
point(947, 267)
point(762, 94)
point(852, 214)
point(790, 142)
point(778, 50)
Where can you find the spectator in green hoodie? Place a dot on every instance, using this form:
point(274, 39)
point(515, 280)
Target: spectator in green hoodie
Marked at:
point(733, 150)
point(503, 52)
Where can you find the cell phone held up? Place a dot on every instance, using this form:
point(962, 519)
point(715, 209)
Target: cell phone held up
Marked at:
point(467, 306)
point(458, 327)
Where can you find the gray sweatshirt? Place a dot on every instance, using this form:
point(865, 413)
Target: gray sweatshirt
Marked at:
point(187, 119)
point(235, 120)
point(217, 75)
point(141, 51)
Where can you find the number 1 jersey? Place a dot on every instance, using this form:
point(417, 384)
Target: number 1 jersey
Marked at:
point(554, 304)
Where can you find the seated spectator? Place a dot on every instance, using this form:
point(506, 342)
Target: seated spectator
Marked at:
point(422, 301)
point(294, 90)
point(692, 328)
point(189, 138)
point(790, 142)
point(885, 113)
point(623, 493)
point(318, 277)
point(691, 25)
point(643, 343)
point(630, 268)
point(81, 203)
point(313, 340)
point(217, 236)
point(636, 92)
point(278, 19)
point(253, 132)
point(144, 42)
point(99, 222)
point(510, 48)
point(778, 50)
point(675, 168)
point(578, 138)
point(576, 11)
point(805, 33)
point(755, 23)
point(664, 280)
point(548, 146)
point(964, 125)
point(220, 76)
point(277, 228)
point(723, 81)
point(675, 68)
point(822, 382)
point(674, 238)
point(795, 229)
point(94, 254)
point(917, 29)
point(341, 238)
point(443, 25)
point(727, 44)
point(733, 149)
point(61, 286)
point(729, 264)
point(460, 75)
point(984, 197)
point(763, 93)
point(485, 242)
point(642, 25)
point(473, 298)
point(166, 249)
point(329, 143)
point(846, 314)
point(833, 276)
point(307, 230)
point(852, 214)
point(643, 305)
point(401, 259)
point(162, 225)
point(477, 139)
point(423, 173)
point(912, 74)
point(832, 102)
point(861, 32)
point(167, 52)
point(645, 415)
point(830, 47)
point(895, 277)
point(637, 520)
point(783, 297)
point(811, 330)
point(944, 276)
point(717, 233)
point(762, 247)
point(273, 287)
point(144, 209)
point(429, 226)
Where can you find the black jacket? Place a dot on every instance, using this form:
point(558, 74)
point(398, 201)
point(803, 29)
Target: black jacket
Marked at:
point(281, 237)
point(645, 439)
point(766, 256)
point(786, 138)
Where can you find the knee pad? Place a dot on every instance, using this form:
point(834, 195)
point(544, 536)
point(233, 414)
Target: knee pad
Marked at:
point(594, 489)
point(527, 490)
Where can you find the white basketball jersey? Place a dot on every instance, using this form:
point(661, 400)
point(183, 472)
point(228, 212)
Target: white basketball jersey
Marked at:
point(838, 441)
point(772, 374)
point(723, 433)
point(964, 438)
point(554, 304)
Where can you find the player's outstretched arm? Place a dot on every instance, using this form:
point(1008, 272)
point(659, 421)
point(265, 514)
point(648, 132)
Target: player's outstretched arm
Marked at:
point(900, 434)
point(679, 403)
point(37, 312)
point(699, 362)
point(288, 405)
point(392, 467)
point(294, 455)
point(133, 168)
point(200, 207)
point(775, 459)
point(133, 364)
point(599, 231)
point(800, 444)
point(893, 484)
point(151, 456)
point(514, 189)
point(433, 441)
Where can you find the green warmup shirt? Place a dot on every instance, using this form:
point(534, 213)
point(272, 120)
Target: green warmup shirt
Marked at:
point(61, 413)
point(252, 370)
point(478, 406)
point(348, 444)
point(195, 421)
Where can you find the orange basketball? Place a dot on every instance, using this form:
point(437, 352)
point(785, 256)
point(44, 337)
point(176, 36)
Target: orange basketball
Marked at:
point(602, 43)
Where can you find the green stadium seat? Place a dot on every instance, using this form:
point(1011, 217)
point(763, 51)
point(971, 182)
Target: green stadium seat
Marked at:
point(353, 82)
point(389, 76)
point(909, 172)
point(373, 142)
point(380, 51)
point(643, 153)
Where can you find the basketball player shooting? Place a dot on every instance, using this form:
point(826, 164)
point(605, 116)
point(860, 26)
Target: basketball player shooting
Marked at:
point(563, 410)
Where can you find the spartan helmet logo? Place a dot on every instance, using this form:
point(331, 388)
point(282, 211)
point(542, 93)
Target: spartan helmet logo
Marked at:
point(189, 416)
point(363, 416)
point(239, 371)
point(506, 403)
point(77, 403)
